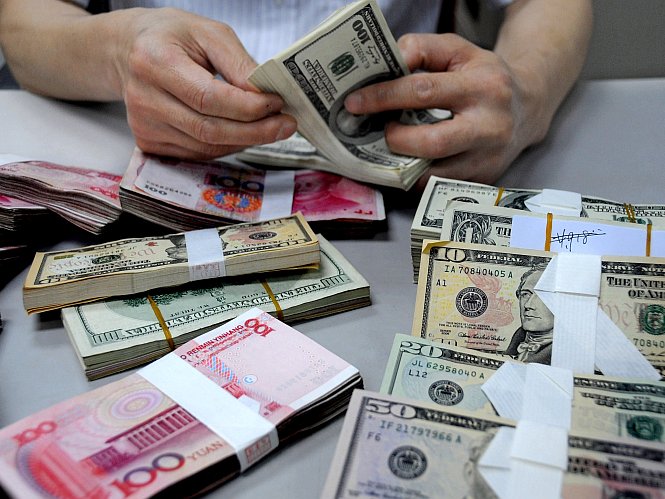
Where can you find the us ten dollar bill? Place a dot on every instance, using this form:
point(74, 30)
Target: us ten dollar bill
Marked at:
point(469, 296)
point(402, 448)
point(451, 376)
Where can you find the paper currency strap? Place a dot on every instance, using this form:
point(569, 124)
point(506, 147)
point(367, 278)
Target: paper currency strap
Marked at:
point(162, 323)
point(273, 299)
point(251, 435)
point(205, 255)
point(533, 455)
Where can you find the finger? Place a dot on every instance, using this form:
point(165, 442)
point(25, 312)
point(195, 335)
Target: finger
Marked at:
point(435, 52)
point(467, 166)
point(438, 140)
point(416, 91)
point(198, 89)
point(163, 108)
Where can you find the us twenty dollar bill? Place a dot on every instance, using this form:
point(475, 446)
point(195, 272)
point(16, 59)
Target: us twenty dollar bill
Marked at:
point(351, 49)
point(402, 448)
point(468, 296)
point(453, 376)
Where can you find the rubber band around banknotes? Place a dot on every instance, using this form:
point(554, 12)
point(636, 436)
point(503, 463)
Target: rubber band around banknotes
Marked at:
point(205, 254)
point(162, 323)
point(499, 195)
point(273, 299)
point(548, 232)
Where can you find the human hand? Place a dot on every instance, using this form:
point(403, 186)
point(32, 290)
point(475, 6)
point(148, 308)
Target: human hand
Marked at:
point(489, 104)
point(175, 105)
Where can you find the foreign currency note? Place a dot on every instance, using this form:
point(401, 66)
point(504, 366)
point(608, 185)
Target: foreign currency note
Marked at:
point(128, 438)
point(232, 192)
point(492, 225)
point(452, 376)
point(143, 254)
point(477, 296)
point(351, 49)
point(129, 323)
point(440, 191)
point(400, 448)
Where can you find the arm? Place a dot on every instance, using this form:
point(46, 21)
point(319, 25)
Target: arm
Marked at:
point(503, 100)
point(161, 62)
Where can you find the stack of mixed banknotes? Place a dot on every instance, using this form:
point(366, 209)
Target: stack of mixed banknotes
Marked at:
point(486, 226)
point(351, 49)
point(84, 197)
point(185, 423)
point(432, 432)
point(186, 195)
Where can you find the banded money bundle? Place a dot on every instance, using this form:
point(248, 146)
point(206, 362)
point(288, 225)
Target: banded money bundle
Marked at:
point(62, 278)
point(415, 449)
point(350, 49)
point(113, 335)
point(445, 375)
point(187, 195)
point(483, 297)
point(17, 215)
point(87, 198)
point(187, 422)
point(428, 220)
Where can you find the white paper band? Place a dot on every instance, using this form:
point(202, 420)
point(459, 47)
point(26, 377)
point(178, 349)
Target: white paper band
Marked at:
point(530, 460)
point(278, 189)
point(569, 287)
point(205, 254)
point(556, 202)
point(251, 435)
point(6, 159)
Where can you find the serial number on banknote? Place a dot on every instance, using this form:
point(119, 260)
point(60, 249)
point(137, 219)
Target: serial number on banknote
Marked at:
point(416, 431)
point(461, 269)
point(433, 366)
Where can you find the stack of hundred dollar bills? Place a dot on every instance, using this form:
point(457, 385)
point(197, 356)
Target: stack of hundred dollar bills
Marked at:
point(185, 423)
point(439, 192)
point(58, 279)
point(351, 49)
point(117, 334)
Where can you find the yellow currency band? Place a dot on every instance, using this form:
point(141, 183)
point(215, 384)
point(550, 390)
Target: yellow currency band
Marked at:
point(648, 250)
point(630, 212)
point(548, 232)
point(498, 196)
point(162, 323)
point(278, 309)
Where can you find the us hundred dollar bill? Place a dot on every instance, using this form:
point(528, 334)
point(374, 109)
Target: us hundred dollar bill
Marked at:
point(351, 49)
point(469, 296)
point(403, 449)
point(452, 376)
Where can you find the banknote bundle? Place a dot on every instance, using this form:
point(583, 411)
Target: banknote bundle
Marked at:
point(351, 49)
point(185, 423)
point(58, 279)
point(446, 375)
point(117, 334)
point(18, 215)
point(482, 297)
point(400, 447)
point(428, 220)
point(86, 198)
point(186, 195)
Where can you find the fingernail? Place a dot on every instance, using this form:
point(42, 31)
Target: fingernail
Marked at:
point(353, 102)
point(286, 131)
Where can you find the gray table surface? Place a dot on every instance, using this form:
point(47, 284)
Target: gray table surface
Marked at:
point(607, 140)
